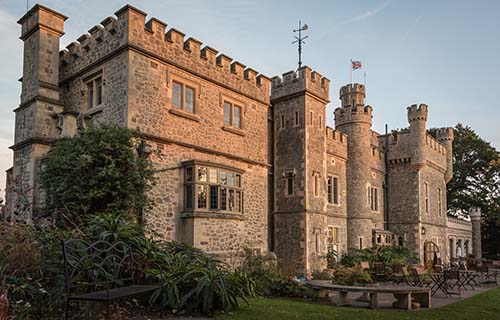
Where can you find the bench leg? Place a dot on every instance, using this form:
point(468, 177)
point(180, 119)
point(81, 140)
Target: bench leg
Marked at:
point(363, 297)
point(312, 294)
point(373, 300)
point(403, 301)
point(341, 298)
point(424, 299)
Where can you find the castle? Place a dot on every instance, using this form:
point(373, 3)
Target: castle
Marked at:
point(247, 161)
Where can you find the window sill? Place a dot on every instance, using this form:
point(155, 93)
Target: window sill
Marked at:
point(234, 130)
point(333, 204)
point(184, 114)
point(212, 214)
point(94, 110)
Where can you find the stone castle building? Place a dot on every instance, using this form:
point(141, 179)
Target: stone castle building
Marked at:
point(247, 161)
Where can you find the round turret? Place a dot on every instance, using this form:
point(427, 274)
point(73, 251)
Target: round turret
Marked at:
point(417, 117)
point(475, 215)
point(353, 109)
point(445, 136)
point(354, 119)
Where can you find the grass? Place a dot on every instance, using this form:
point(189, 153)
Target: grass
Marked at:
point(484, 306)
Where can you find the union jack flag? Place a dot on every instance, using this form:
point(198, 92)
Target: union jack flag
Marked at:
point(356, 65)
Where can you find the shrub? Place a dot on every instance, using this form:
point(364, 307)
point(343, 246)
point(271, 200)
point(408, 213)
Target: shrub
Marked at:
point(350, 275)
point(96, 171)
point(31, 272)
point(192, 281)
point(388, 255)
point(269, 281)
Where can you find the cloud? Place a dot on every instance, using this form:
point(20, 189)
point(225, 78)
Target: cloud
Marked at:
point(412, 27)
point(367, 14)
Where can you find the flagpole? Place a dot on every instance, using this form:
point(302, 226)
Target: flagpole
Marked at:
point(364, 84)
point(350, 70)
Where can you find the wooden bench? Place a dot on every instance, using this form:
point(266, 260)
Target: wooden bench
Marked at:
point(405, 296)
point(100, 272)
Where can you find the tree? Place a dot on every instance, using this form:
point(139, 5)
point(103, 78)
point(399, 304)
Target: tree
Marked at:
point(97, 171)
point(476, 180)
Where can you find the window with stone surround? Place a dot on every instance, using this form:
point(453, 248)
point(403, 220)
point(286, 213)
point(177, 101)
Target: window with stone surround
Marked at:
point(183, 97)
point(289, 182)
point(426, 197)
point(94, 92)
point(317, 240)
point(208, 187)
point(373, 198)
point(316, 183)
point(232, 115)
point(282, 126)
point(333, 190)
point(296, 119)
point(440, 201)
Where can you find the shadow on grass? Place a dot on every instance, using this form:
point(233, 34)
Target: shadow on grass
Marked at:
point(484, 306)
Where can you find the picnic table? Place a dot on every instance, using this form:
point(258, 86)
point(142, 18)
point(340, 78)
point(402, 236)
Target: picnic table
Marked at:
point(406, 297)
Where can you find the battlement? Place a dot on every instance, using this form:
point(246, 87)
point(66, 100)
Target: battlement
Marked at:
point(352, 88)
point(337, 136)
point(434, 144)
point(129, 29)
point(336, 143)
point(304, 79)
point(445, 134)
point(357, 114)
point(417, 112)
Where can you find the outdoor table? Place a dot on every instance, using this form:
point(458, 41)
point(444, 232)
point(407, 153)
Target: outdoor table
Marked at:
point(438, 283)
point(467, 277)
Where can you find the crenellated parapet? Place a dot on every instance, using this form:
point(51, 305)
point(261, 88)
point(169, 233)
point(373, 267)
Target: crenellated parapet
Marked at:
point(129, 30)
point(300, 81)
point(402, 147)
point(353, 95)
point(417, 112)
point(445, 134)
point(347, 115)
point(353, 108)
point(336, 143)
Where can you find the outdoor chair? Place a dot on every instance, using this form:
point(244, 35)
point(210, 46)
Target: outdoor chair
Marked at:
point(378, 271)
point(397, 274)
point(100, 272)
point(407, 278)
point(364, 265)
point(438, 269)
point(419, 278)
point(452, 280)
point(486, 276)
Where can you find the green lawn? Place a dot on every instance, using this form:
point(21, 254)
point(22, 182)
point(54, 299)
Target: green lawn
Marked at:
point(484, 306)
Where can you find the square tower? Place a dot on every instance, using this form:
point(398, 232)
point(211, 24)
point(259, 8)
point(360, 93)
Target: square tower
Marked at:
point(299, 100)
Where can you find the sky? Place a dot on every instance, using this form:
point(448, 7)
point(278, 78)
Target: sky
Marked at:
point(442, 53)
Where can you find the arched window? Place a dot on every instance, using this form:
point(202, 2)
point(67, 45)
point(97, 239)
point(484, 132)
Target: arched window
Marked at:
point(431, 251)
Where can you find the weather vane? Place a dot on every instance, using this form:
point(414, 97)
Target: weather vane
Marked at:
point(300, 39)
